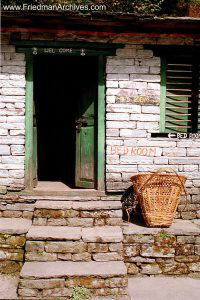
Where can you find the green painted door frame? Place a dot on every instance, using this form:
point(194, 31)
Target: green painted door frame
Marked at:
point(29, 167)
point(29, 147)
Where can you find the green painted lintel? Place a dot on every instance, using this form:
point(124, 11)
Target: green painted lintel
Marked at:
point(35, 43)
point(66, 51)
point(24, 50)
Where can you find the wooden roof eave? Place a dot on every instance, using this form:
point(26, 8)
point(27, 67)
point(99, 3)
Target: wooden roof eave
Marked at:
point(97, 23)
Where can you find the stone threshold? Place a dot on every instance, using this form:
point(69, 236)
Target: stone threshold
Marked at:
point(30, 196)
point(70, 193)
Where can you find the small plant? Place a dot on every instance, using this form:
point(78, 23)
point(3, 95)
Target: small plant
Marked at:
point(80, 293)
point(164, 235)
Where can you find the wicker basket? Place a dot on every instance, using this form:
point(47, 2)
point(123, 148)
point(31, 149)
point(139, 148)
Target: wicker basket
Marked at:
point(159, 196)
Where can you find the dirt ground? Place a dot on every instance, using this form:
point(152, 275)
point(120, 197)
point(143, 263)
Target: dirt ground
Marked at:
point(164, 288)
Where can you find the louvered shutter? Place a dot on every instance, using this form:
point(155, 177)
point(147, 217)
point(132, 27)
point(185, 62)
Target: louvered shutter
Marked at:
point(178, 94)
point(181, 87)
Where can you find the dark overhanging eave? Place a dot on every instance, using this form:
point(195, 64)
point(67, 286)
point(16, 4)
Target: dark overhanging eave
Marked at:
point(97, 23)
point(98, 16)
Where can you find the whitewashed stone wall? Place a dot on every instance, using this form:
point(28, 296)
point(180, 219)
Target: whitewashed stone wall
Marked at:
point(12, 116)
point(135, 73)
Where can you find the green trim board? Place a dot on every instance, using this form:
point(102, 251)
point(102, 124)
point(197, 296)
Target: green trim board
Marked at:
point(55, 44)
point(101, 125)
point(29, 123)
point(163, 94)
point(100, 160)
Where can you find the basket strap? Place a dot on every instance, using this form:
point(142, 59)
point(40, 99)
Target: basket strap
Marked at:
point(169, 170)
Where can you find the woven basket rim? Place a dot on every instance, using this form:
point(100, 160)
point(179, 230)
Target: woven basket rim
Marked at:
point(151, 173)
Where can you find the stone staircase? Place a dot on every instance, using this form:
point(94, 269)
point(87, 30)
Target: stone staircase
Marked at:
point(74, 244)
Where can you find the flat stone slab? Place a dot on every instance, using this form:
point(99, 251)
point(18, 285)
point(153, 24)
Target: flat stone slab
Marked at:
point(60, 269)
point(97, 205)
point(14, 225)
point(78, 205)
point(105, 234)
point(54, 204)
point(71, 195)
point(8, 287)
point(184, 227)
point(18, 206)
point(178, 227)
point(196, 222)
point(54, 233)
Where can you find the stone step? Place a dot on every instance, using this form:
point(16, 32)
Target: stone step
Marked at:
point(12, 206)
point(77, 195)
point(52, 243)
point(83, 213)
point(67, 193)
point(15, 226)
point(104, 280)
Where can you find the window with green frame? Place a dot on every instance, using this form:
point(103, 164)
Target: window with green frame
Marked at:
point(180, 93)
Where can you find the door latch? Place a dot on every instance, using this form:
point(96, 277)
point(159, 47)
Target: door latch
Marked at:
point(80, 123)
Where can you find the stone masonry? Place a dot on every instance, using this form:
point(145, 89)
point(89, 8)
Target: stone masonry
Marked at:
point(85, 214)
point(12, 244)
point(61, 243)
point(12, 116)
point(173, 251)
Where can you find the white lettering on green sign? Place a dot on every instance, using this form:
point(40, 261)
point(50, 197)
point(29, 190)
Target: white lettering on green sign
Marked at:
point(65, 50)
point(49, 50)
point(36, 50)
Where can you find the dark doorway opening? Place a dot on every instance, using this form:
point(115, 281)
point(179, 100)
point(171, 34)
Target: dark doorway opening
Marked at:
point(59, 85)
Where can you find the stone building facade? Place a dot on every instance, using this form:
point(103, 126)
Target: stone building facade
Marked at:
point(133, 91)
point(66, 239)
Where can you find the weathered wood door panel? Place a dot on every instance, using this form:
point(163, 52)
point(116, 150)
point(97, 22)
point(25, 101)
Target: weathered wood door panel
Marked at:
point(85, 136)
point(85, 157)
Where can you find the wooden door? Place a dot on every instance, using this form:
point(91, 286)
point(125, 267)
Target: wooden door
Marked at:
point(85, 136)
point(35, 163)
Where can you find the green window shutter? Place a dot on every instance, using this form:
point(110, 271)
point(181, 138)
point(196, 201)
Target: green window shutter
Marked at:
point(178, 94)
